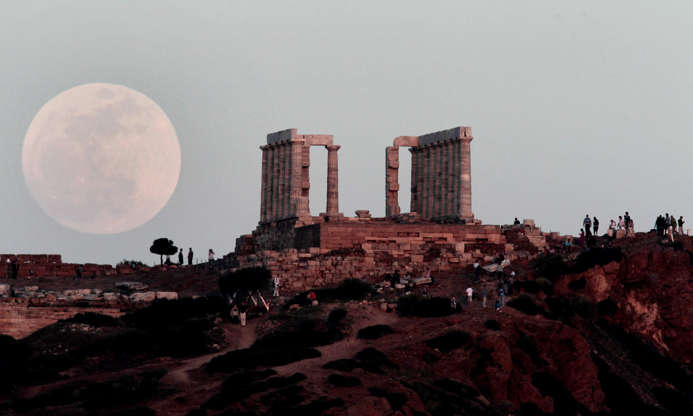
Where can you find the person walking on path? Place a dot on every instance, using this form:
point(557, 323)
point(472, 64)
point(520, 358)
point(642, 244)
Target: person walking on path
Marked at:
point(681, 221)
point(587, 222)
point(180, 257)
point(595, 225)
point(470, 292)
point(276, 282)
point(484, 295)
point(499, 306)
point(190, 256)
point(501, 296)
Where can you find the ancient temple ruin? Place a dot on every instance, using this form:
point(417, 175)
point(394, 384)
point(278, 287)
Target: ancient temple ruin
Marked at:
point(439, 233)
point(441, 176)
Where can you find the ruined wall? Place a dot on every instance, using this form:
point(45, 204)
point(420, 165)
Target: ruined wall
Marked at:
point(19, 321)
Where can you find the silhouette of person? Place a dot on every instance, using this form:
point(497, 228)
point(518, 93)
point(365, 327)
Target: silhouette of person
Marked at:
point(190, 256)
point(180, 257)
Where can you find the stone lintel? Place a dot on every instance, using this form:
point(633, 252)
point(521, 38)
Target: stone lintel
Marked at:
point(406, 141)
point(281, 136)
point(456, 133)
point(318, 139)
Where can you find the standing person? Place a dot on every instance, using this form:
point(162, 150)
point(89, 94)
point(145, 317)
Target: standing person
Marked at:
point(180, 257)
point(587, 222)
point(499, 306)
point(681, 221)
point(501, 296)
point(484, 296)
point(621, 224)
point(453, 303)
point(477, 269)
point(210, 255)
point(627, 221)
point(276, 282)
point(470, 292)
point(190, 256)
point(595, 225)
point(673, 223)
point(659, 225)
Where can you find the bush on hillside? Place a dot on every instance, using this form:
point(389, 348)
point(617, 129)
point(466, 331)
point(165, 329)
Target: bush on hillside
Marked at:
point(250, 279)
point(597, 256)
point(524, 303)
point(374, 332)
point(415, 305)
point(450, 341)
point(550, 266)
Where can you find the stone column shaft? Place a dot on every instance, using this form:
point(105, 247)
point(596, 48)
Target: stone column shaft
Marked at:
point(263, 186)
point(332, 180)
point(466, 177)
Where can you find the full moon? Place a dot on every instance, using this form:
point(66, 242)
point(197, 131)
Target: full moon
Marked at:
point(101, 158)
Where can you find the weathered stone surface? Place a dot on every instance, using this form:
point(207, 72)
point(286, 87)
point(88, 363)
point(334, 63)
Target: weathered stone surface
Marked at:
point(167, 295)
point(140, 297)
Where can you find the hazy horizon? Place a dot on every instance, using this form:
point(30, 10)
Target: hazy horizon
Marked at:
point(575, 108)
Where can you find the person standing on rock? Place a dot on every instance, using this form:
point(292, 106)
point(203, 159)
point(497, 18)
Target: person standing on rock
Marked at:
point(681, 221)
point(470, 292)
point(190, 256)
point(628, 222)
point(595, 225)
point(587, 222)
point(517, 222)
point(673, 223)
point(501, 296)
point(180, 257)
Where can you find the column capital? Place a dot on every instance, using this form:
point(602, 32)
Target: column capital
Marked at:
point(333, 147)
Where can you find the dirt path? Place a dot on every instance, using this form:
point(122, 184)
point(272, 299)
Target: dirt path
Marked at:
point(237, 337)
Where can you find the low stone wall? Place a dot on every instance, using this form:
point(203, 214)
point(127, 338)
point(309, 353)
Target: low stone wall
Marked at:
point(21, 320)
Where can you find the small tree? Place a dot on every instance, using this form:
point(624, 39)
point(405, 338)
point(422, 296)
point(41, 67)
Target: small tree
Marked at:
point(163, 247)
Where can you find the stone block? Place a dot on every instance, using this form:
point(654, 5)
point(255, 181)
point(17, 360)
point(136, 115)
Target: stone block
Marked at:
point(142, 297)
point(167, 295)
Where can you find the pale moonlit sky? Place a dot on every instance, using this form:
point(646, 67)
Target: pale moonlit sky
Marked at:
point(576, 107)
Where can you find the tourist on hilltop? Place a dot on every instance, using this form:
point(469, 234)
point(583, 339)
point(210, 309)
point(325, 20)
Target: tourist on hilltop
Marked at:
point(621, 224)
point(681, 221)
point(190, 256)
point(516, 222)
point(659, 225)
point(673, 223)
point(484, 296)
point(587, 222)
point(469, 292)
point(628, 223)
point(180, 257)
point(501, 296)
point(210, 255)
point(595, 225)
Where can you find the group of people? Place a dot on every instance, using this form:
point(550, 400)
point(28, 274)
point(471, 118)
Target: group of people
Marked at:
point(668, 225)
point(210, 257)
point(591, 225)
point(504, 286)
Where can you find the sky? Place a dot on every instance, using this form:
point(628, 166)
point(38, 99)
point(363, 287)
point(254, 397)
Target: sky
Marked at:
point(575, 107)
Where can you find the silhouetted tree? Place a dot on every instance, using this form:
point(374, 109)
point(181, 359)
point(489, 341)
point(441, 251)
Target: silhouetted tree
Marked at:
point(163, 247)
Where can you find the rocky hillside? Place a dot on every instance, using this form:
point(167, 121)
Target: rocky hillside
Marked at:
point(604, 331)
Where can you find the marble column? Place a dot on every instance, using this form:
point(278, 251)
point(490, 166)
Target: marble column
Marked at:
point(263, 186)
point(296, 178)
point(274, 183)
point(332, 180)
point(466, 177)
point(305, 184)
point(391, 181)
point(414, 176)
